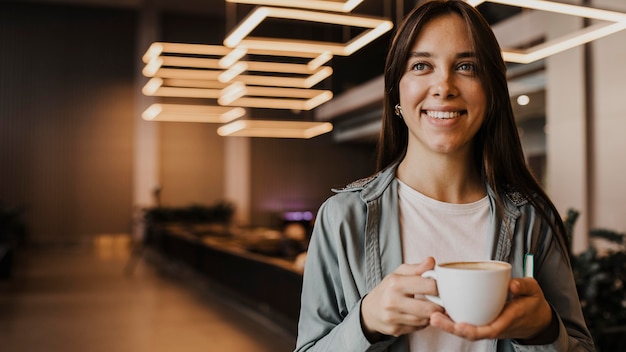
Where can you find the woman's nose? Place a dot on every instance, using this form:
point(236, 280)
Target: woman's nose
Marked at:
point(443, 86)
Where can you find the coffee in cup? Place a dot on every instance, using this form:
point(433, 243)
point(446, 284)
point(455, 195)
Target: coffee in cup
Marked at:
point(471, 292)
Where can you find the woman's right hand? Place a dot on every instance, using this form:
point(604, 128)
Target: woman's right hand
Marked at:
point(391, 308)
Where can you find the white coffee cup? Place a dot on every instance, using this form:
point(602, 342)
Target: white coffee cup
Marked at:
point(471, 292)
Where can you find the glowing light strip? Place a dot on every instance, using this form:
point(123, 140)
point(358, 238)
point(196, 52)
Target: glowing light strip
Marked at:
point(155, 87)
point(232, 72)
point(181, 73)
point(231, 58)
point(563, 43)
point(195, 83)
point(192, 113)
point(158, 48)
point(337, 6)
point(318, 58)
point(376, 27)
point(576, 38)
point(562, 8)
point(277, 81)
point(272, 97)
point(275, 129)
point(242, 66)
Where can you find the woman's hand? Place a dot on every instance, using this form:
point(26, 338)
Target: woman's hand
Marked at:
point(526, 316)
point(391, 308)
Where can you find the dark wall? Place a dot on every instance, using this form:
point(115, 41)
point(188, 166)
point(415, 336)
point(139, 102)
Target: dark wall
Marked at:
point(297, 175)
point(66, 118)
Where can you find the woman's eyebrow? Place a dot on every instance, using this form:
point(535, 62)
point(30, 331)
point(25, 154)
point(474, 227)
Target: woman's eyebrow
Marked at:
point(461, 55)
point(419, 54)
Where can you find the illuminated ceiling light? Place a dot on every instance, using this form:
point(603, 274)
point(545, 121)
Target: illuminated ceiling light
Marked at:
point(317, 58)
point(298, 75)
point(576, 38)
point(192, 113)
point(337, 6)
point(320, 60)
point(181, 73)
point(310, 78)
point(235, 55)
point(155, 87)
point(296, 82)
point(275, 129)
point(158, 48)
point(273, 97)
point(193, 83)
point(154, 66)
point(523, 100)
point(232, 93)
point(232, 72)
point(377, 27)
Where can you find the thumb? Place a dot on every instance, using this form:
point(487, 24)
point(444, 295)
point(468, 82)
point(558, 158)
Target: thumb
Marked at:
point(523, 286)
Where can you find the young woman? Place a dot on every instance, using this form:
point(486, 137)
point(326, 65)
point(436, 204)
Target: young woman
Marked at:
point(452, 185)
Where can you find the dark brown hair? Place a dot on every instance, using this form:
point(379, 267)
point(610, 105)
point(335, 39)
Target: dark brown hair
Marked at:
point(497, 150)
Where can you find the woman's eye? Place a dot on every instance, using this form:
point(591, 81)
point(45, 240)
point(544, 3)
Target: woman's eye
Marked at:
point(467, 66)
point(420, 66)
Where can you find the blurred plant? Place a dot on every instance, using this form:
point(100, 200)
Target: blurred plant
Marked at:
point(601, 283)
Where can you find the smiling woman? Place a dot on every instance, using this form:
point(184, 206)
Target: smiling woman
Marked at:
point(452, 185)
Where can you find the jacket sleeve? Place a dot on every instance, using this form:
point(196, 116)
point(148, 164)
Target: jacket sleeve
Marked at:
point(554, 274)
point(330, 314)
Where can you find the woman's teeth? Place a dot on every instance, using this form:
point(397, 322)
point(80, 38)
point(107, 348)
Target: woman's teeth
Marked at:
point(443, 114)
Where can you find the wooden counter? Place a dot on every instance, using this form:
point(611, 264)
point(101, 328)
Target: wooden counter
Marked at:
point(271, 285)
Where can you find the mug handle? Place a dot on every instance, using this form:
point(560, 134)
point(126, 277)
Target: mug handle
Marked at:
point(435, 299)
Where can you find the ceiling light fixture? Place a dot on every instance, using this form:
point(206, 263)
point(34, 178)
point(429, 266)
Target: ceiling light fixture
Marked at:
point(240, 94)
point(178, 67)
point(158, 48)
point(317, 58)
point(617, 23)
point(302, 75)
point(279, 81)
point(376, 28)
point(275, 129)
point(337, 6)
point(155, 87)
point(192, 113)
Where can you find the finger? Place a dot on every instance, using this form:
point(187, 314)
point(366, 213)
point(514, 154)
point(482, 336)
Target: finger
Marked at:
point(442, 321)
point(421, 308)
point(468, 331)
point(416, 269)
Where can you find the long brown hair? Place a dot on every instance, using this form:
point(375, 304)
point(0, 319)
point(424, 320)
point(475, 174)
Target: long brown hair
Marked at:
point(497, 148)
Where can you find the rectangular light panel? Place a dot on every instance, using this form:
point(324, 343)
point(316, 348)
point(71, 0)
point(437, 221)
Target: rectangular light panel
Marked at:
point(275, 129)
point(375, 28)
point(192, 113)
point(337, 6)
point(617, 22)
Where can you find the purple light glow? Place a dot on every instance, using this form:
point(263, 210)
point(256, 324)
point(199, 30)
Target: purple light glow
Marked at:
point(298, 215)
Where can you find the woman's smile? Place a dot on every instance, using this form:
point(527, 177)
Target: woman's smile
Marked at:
point(443, 115)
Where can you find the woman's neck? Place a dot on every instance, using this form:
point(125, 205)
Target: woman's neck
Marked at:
point(447, 178)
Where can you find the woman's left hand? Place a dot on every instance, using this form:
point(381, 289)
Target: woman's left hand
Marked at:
point(526, 316)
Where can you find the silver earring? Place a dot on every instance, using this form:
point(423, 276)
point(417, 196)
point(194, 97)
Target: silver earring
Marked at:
point(398, 110)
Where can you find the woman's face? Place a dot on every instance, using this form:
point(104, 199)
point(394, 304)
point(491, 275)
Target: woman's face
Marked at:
point(443, 101)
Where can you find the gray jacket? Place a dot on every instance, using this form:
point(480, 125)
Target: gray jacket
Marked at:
point(356, 242)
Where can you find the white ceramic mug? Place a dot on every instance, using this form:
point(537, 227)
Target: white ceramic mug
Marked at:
point(471, 292)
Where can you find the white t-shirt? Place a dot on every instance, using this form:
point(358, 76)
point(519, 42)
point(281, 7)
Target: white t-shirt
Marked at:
point(447, 232)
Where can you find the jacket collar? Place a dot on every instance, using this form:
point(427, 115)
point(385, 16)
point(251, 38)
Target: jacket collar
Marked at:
point(373, 186)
